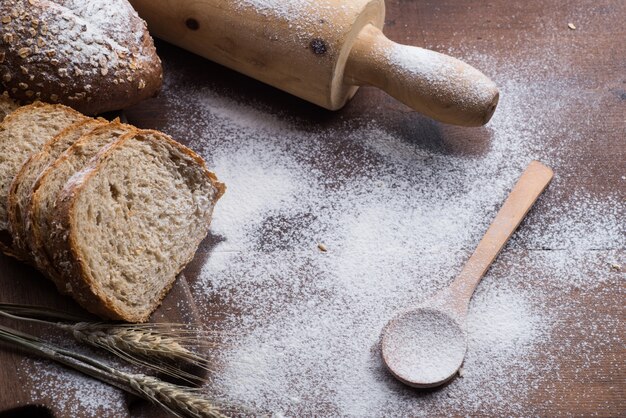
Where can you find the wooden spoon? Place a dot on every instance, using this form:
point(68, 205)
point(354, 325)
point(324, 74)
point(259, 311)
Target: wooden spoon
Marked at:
point(425, 346)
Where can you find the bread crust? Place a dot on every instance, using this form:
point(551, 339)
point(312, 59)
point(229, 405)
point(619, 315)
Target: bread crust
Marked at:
point(67, 254)
point(92, 55)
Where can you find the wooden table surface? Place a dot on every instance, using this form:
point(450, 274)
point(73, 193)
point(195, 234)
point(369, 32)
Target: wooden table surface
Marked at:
point(529, 39)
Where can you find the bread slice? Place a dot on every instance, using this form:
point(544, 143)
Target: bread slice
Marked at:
point(24, 182)
point(127, 224)
point(49, 185)
point(7, 105)
point(22, 134)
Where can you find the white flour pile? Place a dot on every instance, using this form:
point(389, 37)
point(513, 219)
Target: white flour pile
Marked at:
point(399, 216)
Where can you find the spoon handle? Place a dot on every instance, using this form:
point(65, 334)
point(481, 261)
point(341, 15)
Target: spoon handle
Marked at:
point(528, 188)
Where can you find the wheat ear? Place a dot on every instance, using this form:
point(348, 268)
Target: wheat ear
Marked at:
point(173, 397)
point(150, 345)
point(142, 344)
point(141, 340)
point(178, 400)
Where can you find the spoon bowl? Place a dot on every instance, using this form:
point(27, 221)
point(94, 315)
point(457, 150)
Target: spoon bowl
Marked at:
point(424, 347)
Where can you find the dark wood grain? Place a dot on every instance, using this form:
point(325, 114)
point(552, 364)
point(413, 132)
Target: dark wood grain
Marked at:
point(595, 66)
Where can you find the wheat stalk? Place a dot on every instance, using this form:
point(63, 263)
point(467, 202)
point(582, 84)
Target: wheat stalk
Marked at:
point(178, 400)
point(141, 340)
point(173, 397)
point(142, 344)
point(39, 312)
point(150, 345)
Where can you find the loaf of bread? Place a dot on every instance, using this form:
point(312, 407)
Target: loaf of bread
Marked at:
point(92, 55)
point(111, 214)
point(22, 134)
point(127, 224)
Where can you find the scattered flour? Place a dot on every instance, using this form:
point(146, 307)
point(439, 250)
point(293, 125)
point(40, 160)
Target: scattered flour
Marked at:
point(284, 8)
point(73, 393)
point(398, 217)
point(306, 20)
point(295, 11)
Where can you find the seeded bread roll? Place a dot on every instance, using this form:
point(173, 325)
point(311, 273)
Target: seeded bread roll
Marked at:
point(49, 185)
point(92, 55)
point(127, 224)
point(22, 134)
point(22, 187)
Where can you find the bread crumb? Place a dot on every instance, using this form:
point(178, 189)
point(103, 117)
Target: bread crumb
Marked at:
point(571, 26)
point(616, 267)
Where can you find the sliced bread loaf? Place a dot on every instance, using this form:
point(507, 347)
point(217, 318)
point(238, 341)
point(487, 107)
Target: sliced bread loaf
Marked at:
point(24, 182)
point(23, 133)
point(49, 185)
point(129, 222)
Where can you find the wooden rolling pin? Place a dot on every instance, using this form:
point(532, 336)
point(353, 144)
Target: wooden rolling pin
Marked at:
point(322, 51)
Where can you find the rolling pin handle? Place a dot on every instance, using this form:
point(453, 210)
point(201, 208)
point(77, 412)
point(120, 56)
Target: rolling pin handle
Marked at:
point(437, 85)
